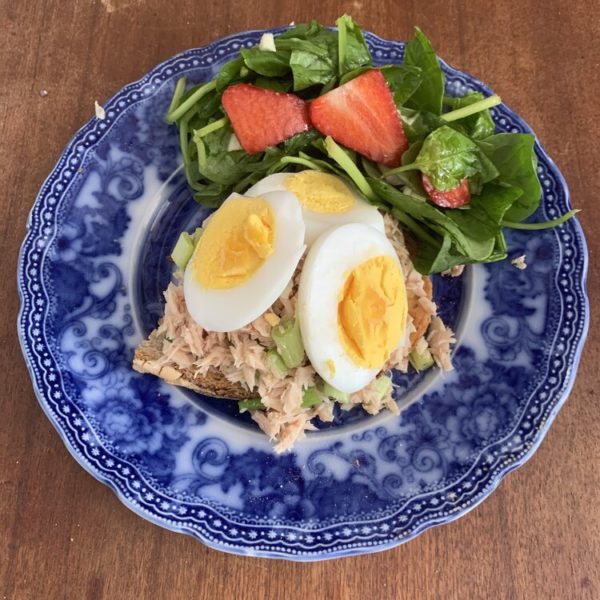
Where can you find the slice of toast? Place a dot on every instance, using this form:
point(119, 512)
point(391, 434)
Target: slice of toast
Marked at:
point(214, 383)
point(147, 360)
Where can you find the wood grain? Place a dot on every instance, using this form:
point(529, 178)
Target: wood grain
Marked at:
point(63, 535)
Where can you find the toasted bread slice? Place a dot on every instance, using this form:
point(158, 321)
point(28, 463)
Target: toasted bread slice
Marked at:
point(214, 383)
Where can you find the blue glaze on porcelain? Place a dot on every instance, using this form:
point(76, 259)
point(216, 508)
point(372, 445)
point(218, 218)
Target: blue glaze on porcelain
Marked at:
point(90, 290)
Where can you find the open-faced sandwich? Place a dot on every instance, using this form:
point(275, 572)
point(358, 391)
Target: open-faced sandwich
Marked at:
point(297, 294)
point(299, 291)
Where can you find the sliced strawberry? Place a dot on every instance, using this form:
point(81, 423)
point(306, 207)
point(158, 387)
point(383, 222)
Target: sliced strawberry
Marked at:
point(263, 118)
point(458, 196)
point(362, 116)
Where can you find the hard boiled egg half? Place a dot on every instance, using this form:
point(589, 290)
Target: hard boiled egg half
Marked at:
point(246, 256)
point(327, 201)
point(352, 305)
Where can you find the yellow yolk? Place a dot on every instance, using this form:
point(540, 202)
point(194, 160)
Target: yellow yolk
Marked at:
point(320, 192)
point(372, 311)
point(236, 242)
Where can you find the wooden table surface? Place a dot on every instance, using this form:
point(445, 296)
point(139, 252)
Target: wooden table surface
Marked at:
point(64, 535)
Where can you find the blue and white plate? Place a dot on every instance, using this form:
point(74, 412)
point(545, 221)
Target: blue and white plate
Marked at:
point(92, 269)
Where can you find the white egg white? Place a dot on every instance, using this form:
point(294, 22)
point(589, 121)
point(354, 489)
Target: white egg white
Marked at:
point(230, 309)
point(316, 222)
point(328, 263)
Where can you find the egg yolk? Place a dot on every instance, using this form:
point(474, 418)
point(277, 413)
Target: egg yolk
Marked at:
point(236, 242)
point(320, 192)
point(372, 311)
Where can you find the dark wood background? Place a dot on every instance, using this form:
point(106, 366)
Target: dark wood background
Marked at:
point(64, 535)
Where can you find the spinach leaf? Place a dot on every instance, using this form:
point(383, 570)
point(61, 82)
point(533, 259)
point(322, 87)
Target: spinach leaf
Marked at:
point(477, 126)
point(301, 31)
point(312, 65)
point(280, 84)
point(352, 48)
point(418, 124)
point(352, 74)
point(403, 80)
point(229, 73)
point(265, 62)
point(411, 178)
point(428, 96)
point(447, 157)
point(514, 156)
point(219, 165)
point(467, 242)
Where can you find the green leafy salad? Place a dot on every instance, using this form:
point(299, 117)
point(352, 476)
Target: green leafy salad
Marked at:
point(452, 181)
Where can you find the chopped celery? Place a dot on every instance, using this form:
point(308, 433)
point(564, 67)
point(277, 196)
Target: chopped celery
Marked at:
point(288, 340)
point(382, 386)
point(311, 397)
point(276, 363)
point(183, 250)
point(197, 235)
point(334, 393)
point(421, 361)
point(253, 404)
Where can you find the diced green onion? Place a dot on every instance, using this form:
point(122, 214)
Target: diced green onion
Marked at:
point(179, 89)
point(311, 397)
point(211, 127)
point(544, 225)
point(382, 386)
point(421, 361)
point(288, 340)
point(334, 393)
point(184, 248)
point(253, 404)
point(471, 109)
point(338, 154)
point(185, 106)
point(276, 363)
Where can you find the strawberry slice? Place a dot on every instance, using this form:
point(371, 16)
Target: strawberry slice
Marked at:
point(261, 118)
point(457, 196)
point(362, 116)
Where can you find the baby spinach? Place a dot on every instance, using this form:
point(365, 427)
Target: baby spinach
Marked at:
point(477, 126)
point(404, 80)
point(265, 62)
point(352, 48)
point(449, 139)
point(447, 157)
point(428, 96)
point(514, 156)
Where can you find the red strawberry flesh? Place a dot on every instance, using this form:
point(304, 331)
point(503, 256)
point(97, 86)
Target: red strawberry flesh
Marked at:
point(261, 118)
point(457, 196)
point(362, 116)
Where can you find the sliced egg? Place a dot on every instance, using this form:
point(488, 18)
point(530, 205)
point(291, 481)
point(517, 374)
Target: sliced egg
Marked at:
point(246, 256)
point(327, 201)
point(352, 305)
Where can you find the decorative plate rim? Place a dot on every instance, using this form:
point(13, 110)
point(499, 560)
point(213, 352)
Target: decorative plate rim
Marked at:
point(179, 526)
